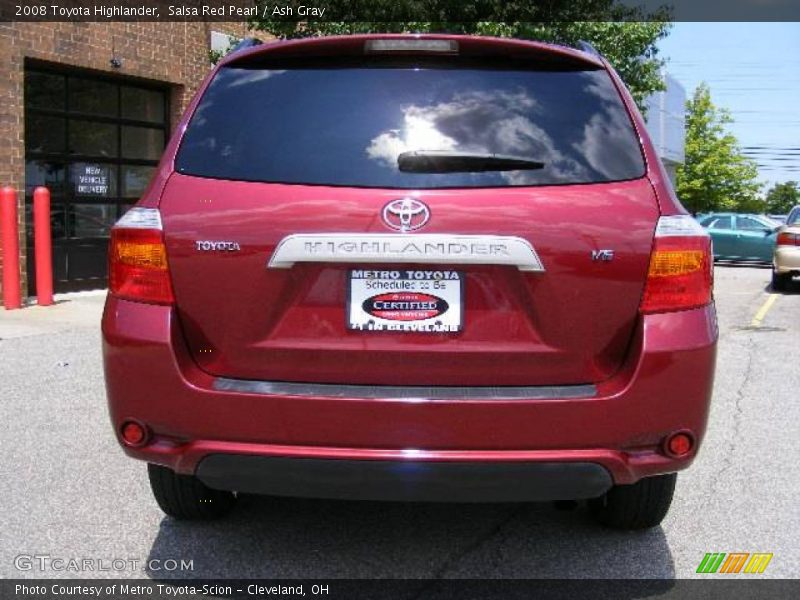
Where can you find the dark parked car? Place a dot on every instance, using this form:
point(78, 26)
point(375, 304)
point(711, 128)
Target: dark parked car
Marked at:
point(741, 237)
point(411, 268)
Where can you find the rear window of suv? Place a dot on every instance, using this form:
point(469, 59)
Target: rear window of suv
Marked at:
point(346, 126)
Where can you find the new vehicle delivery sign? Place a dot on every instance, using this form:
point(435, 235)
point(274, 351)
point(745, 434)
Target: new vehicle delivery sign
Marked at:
point(405, 300)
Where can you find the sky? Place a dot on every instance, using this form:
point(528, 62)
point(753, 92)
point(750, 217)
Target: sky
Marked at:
point(753, 70)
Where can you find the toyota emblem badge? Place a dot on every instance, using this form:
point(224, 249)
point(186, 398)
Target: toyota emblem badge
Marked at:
point(406, 214)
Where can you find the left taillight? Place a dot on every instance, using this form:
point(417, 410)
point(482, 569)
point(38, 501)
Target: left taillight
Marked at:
point(138, 268)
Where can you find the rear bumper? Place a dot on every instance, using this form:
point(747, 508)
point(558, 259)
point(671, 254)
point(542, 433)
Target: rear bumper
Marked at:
point(617, 426)
point(787, 259)
point(405, 480)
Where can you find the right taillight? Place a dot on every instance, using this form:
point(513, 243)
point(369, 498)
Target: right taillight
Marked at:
point(680, 274)
point(786, 238)
point(138, 267)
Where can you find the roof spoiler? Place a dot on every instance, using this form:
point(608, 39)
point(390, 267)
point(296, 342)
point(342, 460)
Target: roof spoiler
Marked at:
point(248, 42)
point(588, 48)
point(353, 47)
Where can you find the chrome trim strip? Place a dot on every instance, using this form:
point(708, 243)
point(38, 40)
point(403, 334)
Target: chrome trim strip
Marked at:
point(449, 249)
point(404, 392)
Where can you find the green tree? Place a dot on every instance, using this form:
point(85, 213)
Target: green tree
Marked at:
point(626, 36)
point(214, 56)
point(716, 175)
point(782, 197)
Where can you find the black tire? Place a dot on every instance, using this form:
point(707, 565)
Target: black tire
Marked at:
point(186, 497)
point(780, 281)
point(639, 506)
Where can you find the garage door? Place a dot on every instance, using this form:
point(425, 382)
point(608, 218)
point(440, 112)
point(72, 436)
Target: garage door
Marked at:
point(95, 143)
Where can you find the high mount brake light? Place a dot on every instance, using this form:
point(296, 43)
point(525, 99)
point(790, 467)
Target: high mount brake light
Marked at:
point(138, 268)
point(680, 275)
point(406, 45)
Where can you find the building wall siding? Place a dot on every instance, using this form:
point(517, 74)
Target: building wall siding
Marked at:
point(175, 53)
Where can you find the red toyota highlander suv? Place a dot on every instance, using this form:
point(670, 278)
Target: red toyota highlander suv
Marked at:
point(433, 268)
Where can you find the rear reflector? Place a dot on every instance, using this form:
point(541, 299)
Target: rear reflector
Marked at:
point(679, 444)
point(406, 45)
point(138, 267)
point(788, 239)
point(133, 433)
point(680, 272)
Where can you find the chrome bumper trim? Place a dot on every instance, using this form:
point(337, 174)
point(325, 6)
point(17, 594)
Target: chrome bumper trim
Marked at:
point(404, 392)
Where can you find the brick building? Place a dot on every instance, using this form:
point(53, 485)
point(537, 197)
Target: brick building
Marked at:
point(86, 109)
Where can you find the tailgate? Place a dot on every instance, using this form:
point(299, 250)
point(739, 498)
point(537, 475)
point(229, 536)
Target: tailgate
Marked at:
point(568, 324)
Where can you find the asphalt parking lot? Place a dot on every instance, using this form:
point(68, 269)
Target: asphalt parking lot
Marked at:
point(69, 492)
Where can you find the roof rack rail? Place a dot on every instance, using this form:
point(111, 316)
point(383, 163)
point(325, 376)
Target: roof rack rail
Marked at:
point(247, 42)
point(588, 48)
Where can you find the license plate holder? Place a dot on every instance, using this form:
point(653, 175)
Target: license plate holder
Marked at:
point(405, 300)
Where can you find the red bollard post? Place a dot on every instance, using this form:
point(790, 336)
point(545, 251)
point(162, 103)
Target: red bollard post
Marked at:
point(42, 246)
point(10, 226)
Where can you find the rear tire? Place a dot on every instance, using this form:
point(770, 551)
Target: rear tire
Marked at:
point(780, 281)
point(186, 497)
point(639, 506)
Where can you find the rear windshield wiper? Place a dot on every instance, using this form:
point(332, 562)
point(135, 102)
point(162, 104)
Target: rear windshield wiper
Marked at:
point(446, 161)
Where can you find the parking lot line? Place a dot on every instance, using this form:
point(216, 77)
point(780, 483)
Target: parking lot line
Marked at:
point(762, 312)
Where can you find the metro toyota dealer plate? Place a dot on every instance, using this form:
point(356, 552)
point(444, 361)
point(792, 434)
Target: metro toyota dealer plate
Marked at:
point(405, 300)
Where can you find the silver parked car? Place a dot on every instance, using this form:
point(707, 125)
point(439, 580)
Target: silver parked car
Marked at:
point(786, 258)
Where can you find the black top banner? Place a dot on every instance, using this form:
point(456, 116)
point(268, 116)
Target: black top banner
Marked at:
point(408, 11)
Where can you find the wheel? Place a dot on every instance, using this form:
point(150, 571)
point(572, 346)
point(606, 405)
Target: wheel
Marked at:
point(639, 506)
point(186, 497)
point(780, 281)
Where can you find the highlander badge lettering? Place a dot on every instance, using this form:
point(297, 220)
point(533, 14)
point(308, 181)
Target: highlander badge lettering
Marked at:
point(404, 248)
